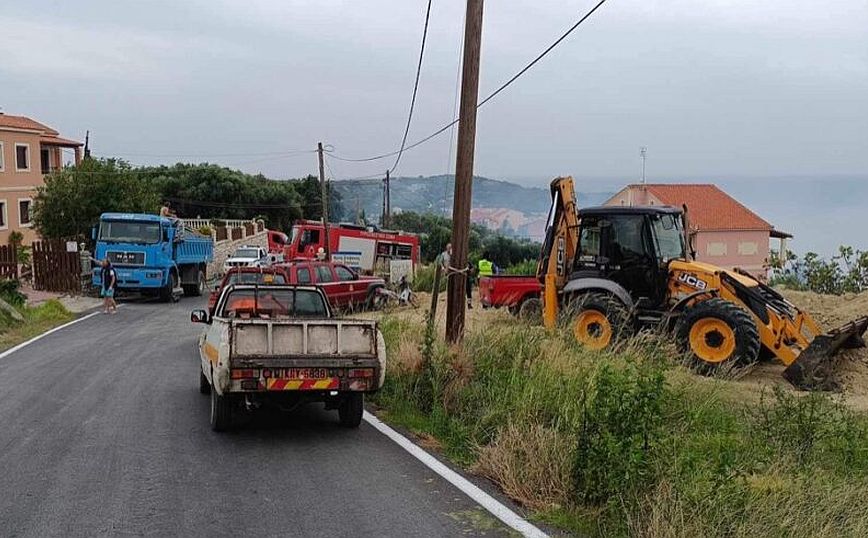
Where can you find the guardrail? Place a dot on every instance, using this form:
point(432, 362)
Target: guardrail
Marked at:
point(201, 223)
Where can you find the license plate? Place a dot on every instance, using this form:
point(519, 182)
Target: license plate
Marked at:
point(305, 373)
point(124, 274)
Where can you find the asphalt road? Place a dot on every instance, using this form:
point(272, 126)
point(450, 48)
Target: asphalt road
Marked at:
point(103, 432)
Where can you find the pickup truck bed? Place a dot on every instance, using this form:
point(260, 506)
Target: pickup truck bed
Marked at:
point(510, 291)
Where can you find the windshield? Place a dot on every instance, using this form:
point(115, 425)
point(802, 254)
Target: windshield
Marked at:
point(129, 232)
point(246, 253)
point(270, 303)
point(295, 233)
point(255, 278)
point(668, 236)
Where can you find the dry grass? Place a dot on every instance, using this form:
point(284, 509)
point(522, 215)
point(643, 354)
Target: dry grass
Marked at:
point(531, 463)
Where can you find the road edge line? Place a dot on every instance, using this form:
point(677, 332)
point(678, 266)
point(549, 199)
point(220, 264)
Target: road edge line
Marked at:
point(26, 343)
point(498, 509)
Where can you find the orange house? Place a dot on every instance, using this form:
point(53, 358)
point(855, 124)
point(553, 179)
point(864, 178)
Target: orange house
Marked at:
point(28, 151)
point(725, 232)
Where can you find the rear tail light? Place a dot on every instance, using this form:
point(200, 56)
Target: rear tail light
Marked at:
point(244, 373)
point(361, 372)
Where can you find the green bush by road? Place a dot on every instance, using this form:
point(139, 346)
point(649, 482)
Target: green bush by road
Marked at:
point(626, 444)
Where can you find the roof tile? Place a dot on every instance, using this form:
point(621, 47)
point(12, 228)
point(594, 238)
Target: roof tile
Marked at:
point(23, 122)
point(709, 207)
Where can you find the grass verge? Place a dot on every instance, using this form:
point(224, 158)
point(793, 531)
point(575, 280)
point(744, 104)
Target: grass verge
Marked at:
point(625, 443)
point(37, 320)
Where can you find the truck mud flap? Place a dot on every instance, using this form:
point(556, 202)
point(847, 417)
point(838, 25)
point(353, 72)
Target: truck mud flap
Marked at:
point(813, 369)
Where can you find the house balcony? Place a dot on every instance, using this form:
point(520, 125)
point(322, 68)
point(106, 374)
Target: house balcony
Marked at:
point(51, 150)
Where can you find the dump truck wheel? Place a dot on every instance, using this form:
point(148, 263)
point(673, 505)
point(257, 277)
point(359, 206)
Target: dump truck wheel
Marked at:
point(598, 320)
point(715, 332)
point(351, 409)
point(204, 386)
point(221, 412)
point(197, 289)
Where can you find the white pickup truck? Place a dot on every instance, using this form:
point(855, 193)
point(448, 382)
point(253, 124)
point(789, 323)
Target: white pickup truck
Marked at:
point(279, 344)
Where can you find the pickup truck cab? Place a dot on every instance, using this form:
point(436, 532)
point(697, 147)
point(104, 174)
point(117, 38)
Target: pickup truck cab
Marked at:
point(262, 276)
point(345, 288)
point(281, 345)
point(521, 294)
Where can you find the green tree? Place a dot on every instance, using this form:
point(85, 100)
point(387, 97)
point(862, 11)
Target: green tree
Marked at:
point(72, 199)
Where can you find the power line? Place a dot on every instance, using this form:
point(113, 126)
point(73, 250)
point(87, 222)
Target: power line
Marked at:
point(490, 96)
point(415, 88)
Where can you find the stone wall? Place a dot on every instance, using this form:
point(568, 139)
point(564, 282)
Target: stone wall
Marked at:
point(224, 249)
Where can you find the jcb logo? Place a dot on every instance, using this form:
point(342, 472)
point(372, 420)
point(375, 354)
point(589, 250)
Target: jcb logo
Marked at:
point(692, 281)
point(560, 256)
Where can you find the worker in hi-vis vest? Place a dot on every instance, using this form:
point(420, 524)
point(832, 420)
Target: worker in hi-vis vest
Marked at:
point(486, 266)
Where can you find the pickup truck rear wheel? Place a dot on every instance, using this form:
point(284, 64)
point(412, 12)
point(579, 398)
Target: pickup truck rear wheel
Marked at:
point(351, 409)
point(221, 412)
point(204, 386)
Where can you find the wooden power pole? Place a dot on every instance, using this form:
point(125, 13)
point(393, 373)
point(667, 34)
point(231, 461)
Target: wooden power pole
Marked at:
point(455, 305)
point(325, 202)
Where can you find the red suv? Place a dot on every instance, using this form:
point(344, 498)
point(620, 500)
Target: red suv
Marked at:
point(247, 275)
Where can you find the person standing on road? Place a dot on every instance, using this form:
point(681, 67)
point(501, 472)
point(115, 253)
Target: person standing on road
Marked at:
point(109, 285)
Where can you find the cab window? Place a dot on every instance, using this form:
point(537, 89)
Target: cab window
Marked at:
point(309, 237)
point(627, 240)
point(344, 274)
point(302, 275)
point(324, 274)
point(265, 303)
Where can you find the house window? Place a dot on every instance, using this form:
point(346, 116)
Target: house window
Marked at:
point(45, 157)
point(3, 221)
point(2, 159)
point(22, 157)
point(748, 248)
point(25, 207)
point(716, 249)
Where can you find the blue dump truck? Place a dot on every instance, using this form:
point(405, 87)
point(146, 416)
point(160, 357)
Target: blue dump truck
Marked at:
point(152, 254)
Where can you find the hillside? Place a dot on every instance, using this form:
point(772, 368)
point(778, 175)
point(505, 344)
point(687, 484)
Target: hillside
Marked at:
point(498, 204)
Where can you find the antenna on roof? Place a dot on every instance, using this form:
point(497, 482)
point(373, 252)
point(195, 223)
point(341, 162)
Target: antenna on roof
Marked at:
point(87, 144)
point(642, 152)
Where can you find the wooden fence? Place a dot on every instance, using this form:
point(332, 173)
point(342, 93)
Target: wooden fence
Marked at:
point(55, 269)
point(8, 262)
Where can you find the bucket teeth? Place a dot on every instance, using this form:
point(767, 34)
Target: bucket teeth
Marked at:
point(813, 369)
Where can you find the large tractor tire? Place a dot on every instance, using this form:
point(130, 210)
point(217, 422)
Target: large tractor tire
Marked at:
point(598, 320)
point(717, 332)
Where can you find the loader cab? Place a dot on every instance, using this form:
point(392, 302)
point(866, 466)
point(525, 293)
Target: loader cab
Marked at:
point(631, 246)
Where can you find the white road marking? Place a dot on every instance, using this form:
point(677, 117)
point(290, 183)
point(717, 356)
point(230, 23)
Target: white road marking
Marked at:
point(485, 500)
point(46, 333)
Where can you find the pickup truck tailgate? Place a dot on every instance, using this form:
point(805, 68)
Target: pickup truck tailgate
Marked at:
point(323, 354)
point(320, 338)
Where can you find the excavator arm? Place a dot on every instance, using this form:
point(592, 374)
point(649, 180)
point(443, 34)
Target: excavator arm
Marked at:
point(560, 245)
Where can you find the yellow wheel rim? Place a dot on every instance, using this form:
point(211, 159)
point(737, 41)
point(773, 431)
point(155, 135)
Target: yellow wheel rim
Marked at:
point(712, 340)
point(593, 329)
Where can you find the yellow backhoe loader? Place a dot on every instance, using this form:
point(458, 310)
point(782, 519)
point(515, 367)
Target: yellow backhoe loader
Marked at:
point(611, 271)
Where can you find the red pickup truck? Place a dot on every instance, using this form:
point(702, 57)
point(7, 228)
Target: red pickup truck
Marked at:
point(344, 288)
point(512, 291)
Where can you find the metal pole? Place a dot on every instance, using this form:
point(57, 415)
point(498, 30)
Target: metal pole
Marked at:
point(456, 304)
point(325, 202)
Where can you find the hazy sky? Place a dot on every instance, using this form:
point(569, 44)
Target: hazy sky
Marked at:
point(714, 88)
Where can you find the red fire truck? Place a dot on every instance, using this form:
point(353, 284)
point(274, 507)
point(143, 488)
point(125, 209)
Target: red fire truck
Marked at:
point(363, 248)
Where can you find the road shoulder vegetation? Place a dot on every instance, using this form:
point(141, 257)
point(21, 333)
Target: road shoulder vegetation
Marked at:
point(33, 321)
point(628, 443)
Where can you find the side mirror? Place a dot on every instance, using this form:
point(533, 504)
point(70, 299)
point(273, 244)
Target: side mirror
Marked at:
point(199, 316)
point(93, 233)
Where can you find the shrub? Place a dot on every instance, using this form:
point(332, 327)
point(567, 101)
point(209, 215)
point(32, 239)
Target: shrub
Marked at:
point(9, 293)
point(526, 267)
point(620, 427)
point(204, 230)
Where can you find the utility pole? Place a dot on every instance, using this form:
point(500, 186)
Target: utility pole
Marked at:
point(325, 202)
point(642, 151)
point(455, 303)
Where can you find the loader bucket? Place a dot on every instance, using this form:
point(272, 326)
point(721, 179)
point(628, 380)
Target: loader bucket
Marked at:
point(813, 368)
